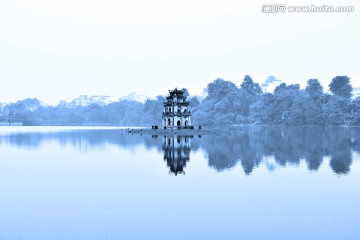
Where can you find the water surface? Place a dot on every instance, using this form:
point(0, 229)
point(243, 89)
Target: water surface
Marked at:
point(101, 183)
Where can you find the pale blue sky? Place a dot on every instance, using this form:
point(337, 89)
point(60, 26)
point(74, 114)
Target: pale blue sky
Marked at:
point(57, 50)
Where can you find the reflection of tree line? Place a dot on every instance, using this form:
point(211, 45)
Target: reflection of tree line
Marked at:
point(288, 145)
point(77, 138)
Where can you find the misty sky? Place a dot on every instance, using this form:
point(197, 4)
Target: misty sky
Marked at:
point(57, 50)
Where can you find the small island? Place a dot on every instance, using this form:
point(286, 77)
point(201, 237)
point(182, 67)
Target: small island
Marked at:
point(176, 120)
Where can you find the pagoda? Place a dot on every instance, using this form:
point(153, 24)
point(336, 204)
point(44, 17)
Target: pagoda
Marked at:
point(176, 113)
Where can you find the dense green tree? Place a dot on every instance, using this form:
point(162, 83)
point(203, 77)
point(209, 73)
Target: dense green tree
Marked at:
point(355, 112)
point(279, 88)
point(220, 106)
point(250, 87)
point(314, 88)
point(337, 110)
point(152, 111)
point(219, 88)
point(248, 94)
point(265, 110)
point(340, 86)
point(194, 102)
point(313, 112)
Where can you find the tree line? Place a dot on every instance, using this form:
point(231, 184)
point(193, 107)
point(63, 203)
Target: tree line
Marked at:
point(288, 104)
point(225, 103)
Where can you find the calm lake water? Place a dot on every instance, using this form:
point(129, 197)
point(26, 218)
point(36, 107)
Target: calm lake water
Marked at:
point(100, 183)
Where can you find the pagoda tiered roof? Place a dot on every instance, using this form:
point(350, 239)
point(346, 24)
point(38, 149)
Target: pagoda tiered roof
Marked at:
point(178, 94)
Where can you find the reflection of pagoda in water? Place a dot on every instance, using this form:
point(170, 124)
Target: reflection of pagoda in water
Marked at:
point(176, 152)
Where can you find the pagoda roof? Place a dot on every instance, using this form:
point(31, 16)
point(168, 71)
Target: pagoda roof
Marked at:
point(176, 93)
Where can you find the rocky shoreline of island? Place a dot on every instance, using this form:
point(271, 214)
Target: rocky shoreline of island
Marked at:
point(185, 131)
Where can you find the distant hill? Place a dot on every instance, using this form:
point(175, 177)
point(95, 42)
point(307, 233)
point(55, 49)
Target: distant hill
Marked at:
point(134, 97)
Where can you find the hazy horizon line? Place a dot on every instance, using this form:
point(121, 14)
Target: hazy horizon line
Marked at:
point(112, 99)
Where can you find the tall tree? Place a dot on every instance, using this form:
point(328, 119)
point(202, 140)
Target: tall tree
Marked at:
point(220, 88)
point(314, 88)
point(250, 87)
point(249, 92)
point(220, 105)
point(340, 86)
